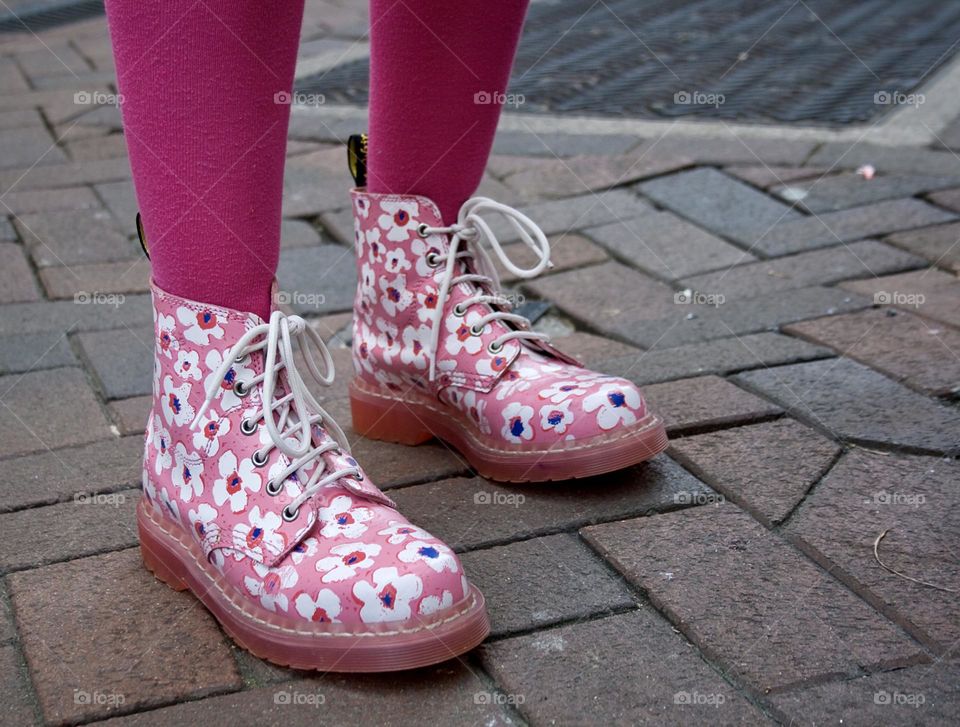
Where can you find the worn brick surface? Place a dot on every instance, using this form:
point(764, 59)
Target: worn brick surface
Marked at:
point(949, 198)
point(765, 468)
point(705, 402)
point(318, 279)
point(940, 293)
point(765, 176)
point(25, 146)
point(522, 583)
point(70, 237)
point(137, 638)
point(469, 513)
point(855, 403)
point(918, 353)
point(122, 360)
point(130, 415)
point(16, 278)
point(888, 159)
point(940, 244)
point(121, 200)
point(592, 349)
point(569, 250)
point(730, 148)
point(667, 246)
point(840, 191)
point(15, 700)
point(68, 174)
point(516, 143)
point(47, 409)
point(721, 356)
point(911, 497)
point(709, 197)
point(815, 267)
point(577, 213)
point(48, 200)
point(748, 600)
point(34, 351)
point(624, 669)
point(129, 276)
point(297, 233)
point(68, 316)
point(43, 479)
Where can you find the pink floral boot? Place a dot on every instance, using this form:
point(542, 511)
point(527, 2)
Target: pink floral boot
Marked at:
point(253, 502)
point(438, 352)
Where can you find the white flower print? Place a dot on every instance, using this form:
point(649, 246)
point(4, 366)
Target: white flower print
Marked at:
point(291, 485)
point(388, 597)
point(341, 518)
point(396, 261)
point(367, 288)
point(203, 522)
point(187, 365)
point(187, 473)
point(495, 364)
point(306, 548)
point(614, 404)
point(398, 531)
point(362, 207)
point(556, 417)
point(161, 444)
point(560, 391)
point(387, 341)
point(436, 555)
point(399, 219)
point(395, 296)
point(518, 378)
point(345, 560)
point(212, 428)
point(235, 481)
point(415, 344)
point(421, 248)
point(200, 325)
point(364, 347)
point(166, 341)
point(270, 585)
point(259, 532)
point(377, 248)
point(474, 406)
point(427, 300)
point(323, 609)
point(516, 422)
point(227, 397)
point(432, 604)
point(170, 505)
point(460, 336)
point(175, 403)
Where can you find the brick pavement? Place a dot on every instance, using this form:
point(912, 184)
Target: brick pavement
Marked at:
point(797, 325)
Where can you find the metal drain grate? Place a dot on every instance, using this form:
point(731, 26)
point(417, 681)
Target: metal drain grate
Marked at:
point(43, 16)
point(824, 61)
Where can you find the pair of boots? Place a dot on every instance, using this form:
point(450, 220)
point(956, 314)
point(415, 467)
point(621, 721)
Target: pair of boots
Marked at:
point(251, 498)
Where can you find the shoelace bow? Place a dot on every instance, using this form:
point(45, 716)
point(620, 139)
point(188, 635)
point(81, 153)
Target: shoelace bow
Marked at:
point(472, 228)
point(289, 417)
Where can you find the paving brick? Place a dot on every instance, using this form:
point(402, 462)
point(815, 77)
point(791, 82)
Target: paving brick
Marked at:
point(121, 199)
point(121, 359)
point(7, 233)
point(51, 477)
point(521, 582)
point(732, 149)
point(451, 693)
point(335, 328)
point(28, 145)
point(89, 523)
point(592, 349)
point(127, 637)
point(130, 415)
point(814, 267)
point(318, 279)
point(918, 353)
point(316, 182)
point(912, 498)
point(17, 283)
point(48, 409)
point(297, 233)
point(475, 513)
point(48, 200)
point(764, 176)
point(856, 404)
point(857, 223)
point(19, 118)
point(719, 203)
point(518, 143)
point(109, 146)
point(720, 356)
point(70, 237)
point(339, 225)
point(925, 694)
point(940, 293)
point(705, 402)
point(8, 630)
point(624, 669)
point(11, 78)
point(34, 351)
point(949, 198)
point(667, 246)
point(14, 692)
point(128, 276)
point(67, 174)
point(566, 251)
point(840, 191)
point(602, 295)
point(886, 159)
point(765, 468)
point(68, 316)
point(748, 600)
point(940, 244)
point(57, 59)
point(576, 213)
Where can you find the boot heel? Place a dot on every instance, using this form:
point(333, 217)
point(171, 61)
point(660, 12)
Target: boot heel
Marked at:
point(386, 420)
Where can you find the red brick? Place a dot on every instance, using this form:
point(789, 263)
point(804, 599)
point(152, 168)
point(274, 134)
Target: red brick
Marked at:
point(940, 291)
point(705, 402)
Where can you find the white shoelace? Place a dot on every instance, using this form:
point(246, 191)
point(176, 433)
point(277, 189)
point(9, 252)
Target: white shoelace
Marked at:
point(471, 227)
point(290, 418)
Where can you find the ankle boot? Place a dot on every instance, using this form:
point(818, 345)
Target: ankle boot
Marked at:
point(438, 351)
point(253, 502)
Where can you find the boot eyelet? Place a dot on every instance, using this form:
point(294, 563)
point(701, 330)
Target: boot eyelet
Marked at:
point(357, 476)
point(240, 388)
point(273, 487)
point(289, 515)
point(459, 311)
point(248, 426)
point(422, 229)
point(495, 347)
point(433, 260)
point(474, 331)
point(242, 359)
point(259, 458)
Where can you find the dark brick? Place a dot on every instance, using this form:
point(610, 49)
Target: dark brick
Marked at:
point(127, 636)
point(720, 356)
point(765, 468)
point(841, 191)
point(949, 198)
point(318, 279)
point(68, 316)
point(815, 267)
point(70, 237)
point(119, 277)
point(475, 513)
point(14, 691)
point(917, 353)
point(25, 146)
point(719, 203)
point(130, 415)
point(523, 583)
point(848, 225)
point(122, 360)
point(34, 351)
point(49, 409)
point(940, 291)
point(625, 669)
point(667, 246)
point(940, 244)
point(854, 403)
point(748, 600)
point(566, 251)
point(705, 402)
point(914, 500)
point(17, 283)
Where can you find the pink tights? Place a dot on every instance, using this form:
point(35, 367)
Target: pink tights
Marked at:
point(207, 140)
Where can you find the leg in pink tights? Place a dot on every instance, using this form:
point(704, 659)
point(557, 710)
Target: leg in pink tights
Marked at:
point(429, 60)
point(207, 139)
